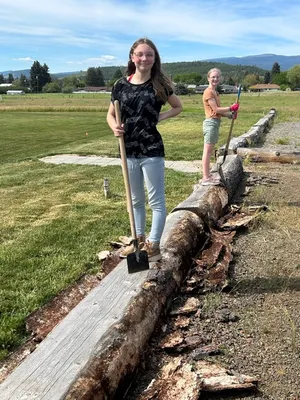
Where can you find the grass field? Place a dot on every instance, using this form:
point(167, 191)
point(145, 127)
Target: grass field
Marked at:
point(55, 218)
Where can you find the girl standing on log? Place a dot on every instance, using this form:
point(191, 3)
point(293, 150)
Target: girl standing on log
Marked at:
point(141, 96)
point(211, 124)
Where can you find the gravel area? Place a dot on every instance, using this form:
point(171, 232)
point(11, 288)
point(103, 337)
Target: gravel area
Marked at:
point(286, 135)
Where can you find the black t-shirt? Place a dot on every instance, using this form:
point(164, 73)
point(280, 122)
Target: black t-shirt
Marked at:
point(140, 109)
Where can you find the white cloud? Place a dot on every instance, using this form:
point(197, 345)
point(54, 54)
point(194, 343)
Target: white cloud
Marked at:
point(76, 30)
point(27, 59)
point(96, 61)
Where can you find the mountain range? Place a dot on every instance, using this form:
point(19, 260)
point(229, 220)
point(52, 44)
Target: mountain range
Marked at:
point(262, 61)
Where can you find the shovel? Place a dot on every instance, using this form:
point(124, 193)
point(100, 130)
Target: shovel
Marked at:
point(138, 260)
point(219, 169)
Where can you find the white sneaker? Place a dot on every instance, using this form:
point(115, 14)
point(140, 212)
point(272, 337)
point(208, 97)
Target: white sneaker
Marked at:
point(211, 180)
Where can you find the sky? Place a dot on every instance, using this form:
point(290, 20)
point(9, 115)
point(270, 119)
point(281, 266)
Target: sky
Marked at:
point(73, 35)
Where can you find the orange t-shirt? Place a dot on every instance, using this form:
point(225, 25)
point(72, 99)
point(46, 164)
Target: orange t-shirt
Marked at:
point(210, 94)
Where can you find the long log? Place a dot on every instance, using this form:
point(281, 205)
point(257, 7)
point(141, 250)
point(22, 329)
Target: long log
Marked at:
point(209, 201)
point(100, 342)
point(254, 136)
point(268, 155)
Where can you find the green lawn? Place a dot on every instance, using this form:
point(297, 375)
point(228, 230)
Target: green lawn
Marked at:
point(55, 218)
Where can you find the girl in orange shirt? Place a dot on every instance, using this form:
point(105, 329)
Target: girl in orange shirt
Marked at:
point(211, 124)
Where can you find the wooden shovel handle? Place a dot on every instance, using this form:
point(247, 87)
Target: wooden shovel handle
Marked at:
point(231, 126)
point(125, 173)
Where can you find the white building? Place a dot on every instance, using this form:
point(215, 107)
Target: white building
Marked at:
point(14, 92)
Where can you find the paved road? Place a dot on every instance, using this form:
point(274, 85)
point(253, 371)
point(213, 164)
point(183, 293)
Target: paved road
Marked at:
point(183, 166)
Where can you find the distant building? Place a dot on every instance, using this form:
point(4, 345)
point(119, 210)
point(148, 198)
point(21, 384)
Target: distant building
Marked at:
point(229, 89)
point(5, 84)
point(200, 88)
point(223, 89)
point(264, 87)
point(14, 92)
point(92, 89)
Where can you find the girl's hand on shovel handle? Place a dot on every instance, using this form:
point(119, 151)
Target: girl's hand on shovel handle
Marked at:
point(118, 130)
point(234, 107)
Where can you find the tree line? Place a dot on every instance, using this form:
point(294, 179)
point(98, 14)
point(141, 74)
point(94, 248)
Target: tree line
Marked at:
point(181, 73)
point(40, 80)
point(286, 79)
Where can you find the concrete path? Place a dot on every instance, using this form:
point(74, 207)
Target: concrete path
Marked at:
point(183, 166)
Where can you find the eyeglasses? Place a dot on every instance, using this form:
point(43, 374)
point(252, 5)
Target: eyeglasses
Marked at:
point(147, 55)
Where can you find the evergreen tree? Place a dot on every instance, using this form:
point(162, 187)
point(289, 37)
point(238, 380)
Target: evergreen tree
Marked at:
point(94, 77)
point(34, 76)
point(100, 77)
point(39, 76)
point(267, 77)
point(2, 80)
point(275, 69)
point(23, 81)
point(118, 74)
point(45, 76)
point(91, 77)
point(10, 78)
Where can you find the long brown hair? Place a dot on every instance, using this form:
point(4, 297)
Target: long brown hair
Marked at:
point(161, 83)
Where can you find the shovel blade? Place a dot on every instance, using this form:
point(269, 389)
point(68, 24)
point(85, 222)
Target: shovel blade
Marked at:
point(137, 261)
